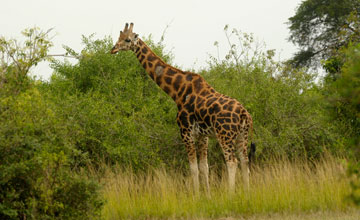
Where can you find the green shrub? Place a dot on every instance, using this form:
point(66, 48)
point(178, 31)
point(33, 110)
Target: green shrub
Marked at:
point(344, 97)
point(37, 158)
point(38, 177)
point(118, 113)
point(288, 108)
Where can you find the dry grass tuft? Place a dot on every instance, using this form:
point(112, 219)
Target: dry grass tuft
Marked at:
point(279, 187)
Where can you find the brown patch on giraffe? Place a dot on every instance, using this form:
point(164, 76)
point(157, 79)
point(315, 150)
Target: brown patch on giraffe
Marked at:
point(222, 100)
point(182, 89)
point(171, 72)
point(141, 58)
point(152, 76)
point(178, 81)
point(151, 57)
point(207, 120)
point(168, 80)
point(216, 108)
point(188, 91)
point(167, 89)
point(199, 102)
point(189, 77)
point(189, 106)
point(183, 119)
point(204, 93)
point(198, 84)
point(144, 50)
point(158, 80)
point(235, 118)
point(210, 101)
point(210, 96)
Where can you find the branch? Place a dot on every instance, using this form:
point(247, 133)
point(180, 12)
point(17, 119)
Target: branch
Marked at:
point(63, 55)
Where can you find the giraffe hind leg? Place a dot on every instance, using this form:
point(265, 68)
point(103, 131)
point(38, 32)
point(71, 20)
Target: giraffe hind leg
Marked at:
point(241, 142)
point(231, 161)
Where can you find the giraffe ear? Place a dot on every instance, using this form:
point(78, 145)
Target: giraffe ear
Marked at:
point(136, 36)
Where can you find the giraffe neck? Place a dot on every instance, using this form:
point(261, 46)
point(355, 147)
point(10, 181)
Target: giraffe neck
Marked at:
point(170, 79)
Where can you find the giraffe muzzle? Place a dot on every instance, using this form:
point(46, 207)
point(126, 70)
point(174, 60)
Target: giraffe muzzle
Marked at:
point(114, 50)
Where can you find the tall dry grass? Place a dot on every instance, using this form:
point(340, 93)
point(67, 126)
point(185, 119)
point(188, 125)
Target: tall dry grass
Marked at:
point(276, 187)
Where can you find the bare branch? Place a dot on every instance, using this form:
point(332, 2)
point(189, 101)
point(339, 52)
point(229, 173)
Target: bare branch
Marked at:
point(63, 55)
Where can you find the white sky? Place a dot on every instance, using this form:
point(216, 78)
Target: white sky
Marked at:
point(194, 24)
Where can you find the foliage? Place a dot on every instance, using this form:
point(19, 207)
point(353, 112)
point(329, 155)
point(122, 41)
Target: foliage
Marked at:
point(329, 31)
point(16, 59)
point(287, 107)
point(37, 175)
point(320, 27)
point(344, 96)
point(36, 163)
point(120, 115)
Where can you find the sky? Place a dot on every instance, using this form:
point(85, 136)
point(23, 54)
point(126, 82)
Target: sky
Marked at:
point(193, 25)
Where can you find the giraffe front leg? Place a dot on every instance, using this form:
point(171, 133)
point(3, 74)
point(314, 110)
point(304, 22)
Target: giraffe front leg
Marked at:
point(193, 165)
point(191, 151)
point(203, 162)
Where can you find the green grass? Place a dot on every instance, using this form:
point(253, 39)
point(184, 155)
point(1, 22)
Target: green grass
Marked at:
point(281, 187)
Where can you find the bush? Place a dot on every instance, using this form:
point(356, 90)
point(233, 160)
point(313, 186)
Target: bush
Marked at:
point(37, 158)
point(118, 113)
point(344, 97)
point(288, 108)
point(38, 178)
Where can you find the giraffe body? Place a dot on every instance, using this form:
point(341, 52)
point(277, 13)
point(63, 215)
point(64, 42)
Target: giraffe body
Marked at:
point(202, 112)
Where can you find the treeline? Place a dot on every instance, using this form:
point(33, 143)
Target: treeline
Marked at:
point(105, 109)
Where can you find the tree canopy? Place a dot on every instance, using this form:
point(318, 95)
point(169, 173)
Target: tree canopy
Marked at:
point(320, 27)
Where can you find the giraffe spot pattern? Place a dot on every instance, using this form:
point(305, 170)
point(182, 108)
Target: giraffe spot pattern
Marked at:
point(178, 81)
point(201, 110)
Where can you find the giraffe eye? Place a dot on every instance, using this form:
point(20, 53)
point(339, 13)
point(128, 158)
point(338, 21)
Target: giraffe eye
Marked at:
point(127, 40)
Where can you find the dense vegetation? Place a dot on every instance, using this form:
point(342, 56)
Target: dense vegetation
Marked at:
point(321, 27)
point(104, 109)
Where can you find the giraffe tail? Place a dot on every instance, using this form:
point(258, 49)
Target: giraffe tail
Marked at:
point(252, 154)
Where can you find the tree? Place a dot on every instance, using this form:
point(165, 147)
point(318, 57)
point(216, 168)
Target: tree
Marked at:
point(320, 27)
point(346, 100)
point(16, 59)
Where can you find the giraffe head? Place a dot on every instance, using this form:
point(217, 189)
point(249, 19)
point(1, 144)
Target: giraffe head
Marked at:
point(127, 39)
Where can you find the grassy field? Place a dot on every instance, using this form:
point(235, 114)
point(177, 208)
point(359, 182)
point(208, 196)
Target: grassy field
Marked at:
point(279, 190)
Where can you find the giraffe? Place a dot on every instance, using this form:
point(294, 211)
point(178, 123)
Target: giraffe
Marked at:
point(202, 112)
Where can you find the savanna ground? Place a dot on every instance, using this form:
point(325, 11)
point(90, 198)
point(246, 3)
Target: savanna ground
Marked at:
point(279, 190)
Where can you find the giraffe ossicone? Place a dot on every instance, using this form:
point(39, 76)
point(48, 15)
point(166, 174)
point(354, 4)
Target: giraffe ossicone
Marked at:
point(202, 112)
